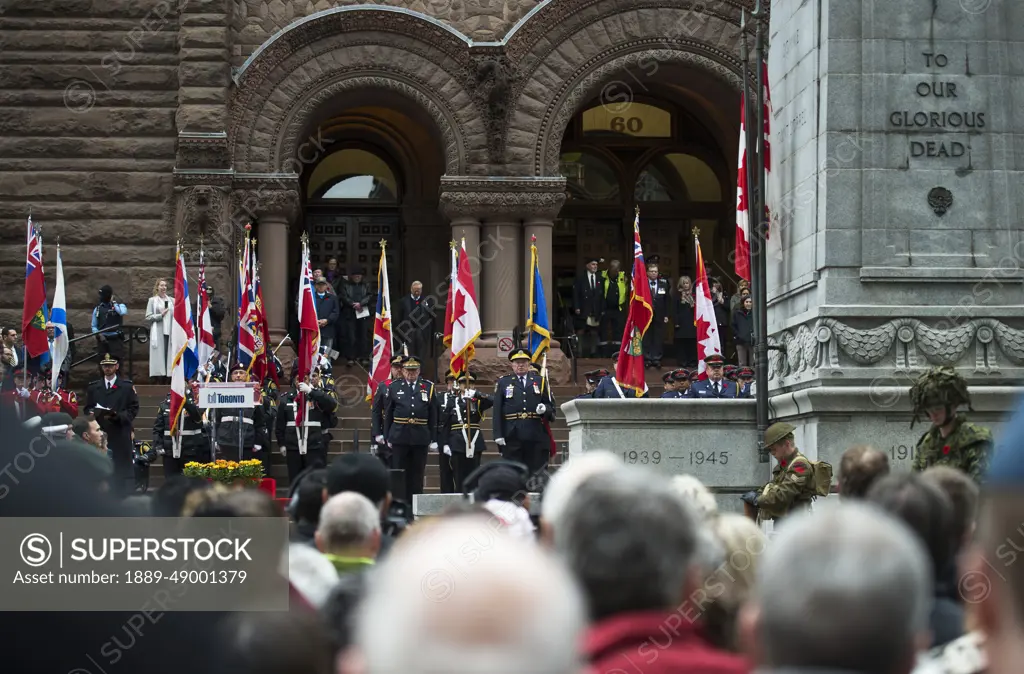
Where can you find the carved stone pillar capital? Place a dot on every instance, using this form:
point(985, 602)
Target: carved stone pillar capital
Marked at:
point(499, 197)
point(260, 195)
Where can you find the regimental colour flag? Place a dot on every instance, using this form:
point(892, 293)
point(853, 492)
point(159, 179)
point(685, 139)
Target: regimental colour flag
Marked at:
point(742, 257)
point(383, 340)
point(465, 315)
point(59, 320)
point(309, 341)
point(204, 328)
point(258, 367)
point(708, 339)
point(629, 369)
point(265, 364)
point(183, 346)
point(537, 324)
point(34, 311)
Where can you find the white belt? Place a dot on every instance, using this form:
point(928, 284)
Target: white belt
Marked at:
point(306, 424)
point(246, 420)
point(185, 432)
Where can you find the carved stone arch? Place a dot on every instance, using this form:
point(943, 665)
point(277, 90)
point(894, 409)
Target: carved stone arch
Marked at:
point(589, 78)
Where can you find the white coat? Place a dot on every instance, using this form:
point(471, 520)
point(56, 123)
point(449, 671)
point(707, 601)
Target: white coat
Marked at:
point(159, 361)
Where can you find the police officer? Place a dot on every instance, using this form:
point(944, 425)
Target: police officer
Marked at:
point(194, 444)
point(410, 425)
point(594, 378)
point(377, 411)
point(951, 440)
point(792, 486)
point(319, 415)
point(245, 423)
point(444, 460)
point(745, 382)
point(522, 403)
point(609, 387)
point(114, 403)
point(670, 386)
point(463, 438)
point(677, 382)
point(716, 385)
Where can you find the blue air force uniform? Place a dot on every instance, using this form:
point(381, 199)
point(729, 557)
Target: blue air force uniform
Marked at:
point(706, 388)
point(607, 389)
point(409, 426)
point(517, 423)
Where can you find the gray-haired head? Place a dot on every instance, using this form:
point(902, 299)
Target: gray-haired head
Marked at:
point(463, 597)
point(348, 521)
point(631, 540)
point(848, 588)
point(562, 487)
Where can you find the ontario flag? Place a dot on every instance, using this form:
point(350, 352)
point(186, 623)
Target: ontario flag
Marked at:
point(465, 315)
point(264, 364)
point(383, 341)
point(708, 340)
point(204, 328)
point(629, 369)
point(309, 340)
point(183, 346)
point(34, 311)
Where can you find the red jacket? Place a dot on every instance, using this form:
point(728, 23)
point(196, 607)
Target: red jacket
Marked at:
point(655, 642)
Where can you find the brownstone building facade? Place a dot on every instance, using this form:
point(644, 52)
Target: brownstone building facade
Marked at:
point(127, 124)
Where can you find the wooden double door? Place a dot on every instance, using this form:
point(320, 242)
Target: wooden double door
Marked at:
point(354, 239)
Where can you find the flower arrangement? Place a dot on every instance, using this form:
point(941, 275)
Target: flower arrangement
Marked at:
point(227, 472)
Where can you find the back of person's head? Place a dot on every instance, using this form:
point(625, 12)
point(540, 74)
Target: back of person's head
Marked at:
point(963, 495)
point(631, 541)
point(169, 499)
point(462, 598)
point(742, 543)
point(924, 508)
point(238, 503)
point(349, 520)
point(275, 642)
point(361, 473)
point(310, 573)
point(847, 588)
point(696, 494)
point(309, 496)
point(567, 479)
point(859, 468)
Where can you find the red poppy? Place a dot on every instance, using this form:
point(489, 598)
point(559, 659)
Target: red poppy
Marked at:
point(945, 450)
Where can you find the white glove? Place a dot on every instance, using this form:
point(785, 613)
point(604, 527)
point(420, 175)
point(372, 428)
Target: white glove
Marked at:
point(283, 450)
point(304, 387)
point(499, 442)
point(257, 448)
point(432, 445)
point(23, 392)
point(379, 439)
point(542, 408)
point(470, 393)
point(447, 450)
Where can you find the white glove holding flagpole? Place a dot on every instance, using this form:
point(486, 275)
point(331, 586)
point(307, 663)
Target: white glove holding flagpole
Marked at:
point(304, 387)
point(447, 450)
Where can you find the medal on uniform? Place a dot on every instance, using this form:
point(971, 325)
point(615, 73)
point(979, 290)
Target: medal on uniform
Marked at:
point(423, 396)
point(509, 391)
point(536, 388)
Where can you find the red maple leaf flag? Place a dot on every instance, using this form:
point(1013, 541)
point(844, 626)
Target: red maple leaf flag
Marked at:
point(708, 340)
point(465, 315)
point(452, 278)
point(629, 369)
point(742, 258)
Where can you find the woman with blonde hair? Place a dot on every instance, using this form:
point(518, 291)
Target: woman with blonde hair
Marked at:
point(732, 581)
point(160, 314)
point(685, 330)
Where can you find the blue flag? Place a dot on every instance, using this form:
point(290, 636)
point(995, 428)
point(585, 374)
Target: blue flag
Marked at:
point(537, 324)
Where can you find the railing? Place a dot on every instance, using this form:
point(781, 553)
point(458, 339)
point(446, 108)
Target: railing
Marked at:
point(130, 333)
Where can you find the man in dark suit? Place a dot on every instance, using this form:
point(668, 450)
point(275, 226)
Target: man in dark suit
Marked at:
point(410, 425)
point(661, 303)
point(415, 325)
point(588, 305)
point(716, 385)
point(522, 402)
point(114, 403)
point(356, 316)
point(327, 311)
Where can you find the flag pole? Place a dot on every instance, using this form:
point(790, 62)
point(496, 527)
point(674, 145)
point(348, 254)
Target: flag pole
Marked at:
point(759, 257)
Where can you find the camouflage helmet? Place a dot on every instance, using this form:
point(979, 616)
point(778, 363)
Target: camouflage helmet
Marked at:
point(938, 387)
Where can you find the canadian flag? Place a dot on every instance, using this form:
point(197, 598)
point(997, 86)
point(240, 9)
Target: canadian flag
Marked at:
point(708, 341)
point(742, 260)
point(465, 315)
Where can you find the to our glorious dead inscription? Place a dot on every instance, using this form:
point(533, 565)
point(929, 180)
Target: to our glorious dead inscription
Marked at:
point(957, 118)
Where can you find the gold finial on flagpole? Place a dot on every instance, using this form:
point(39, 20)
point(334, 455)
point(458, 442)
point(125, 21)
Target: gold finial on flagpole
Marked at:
point(383, 244)
point(453, 244)
point(696, 232)
point(533, 239)
point(637, 210)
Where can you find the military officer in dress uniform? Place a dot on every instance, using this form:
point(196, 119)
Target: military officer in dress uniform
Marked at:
point(715, 386)
point(245, 423)
point(463, 439)
point(445, 468)
point(268, 401)
point(377, 411)
point(671, 389)
point(609, 387)
point(952, 440)
point(195, 441)
point(20, 398)
point(522, 402)
point(114, 403)
point(745, 382)
point(677, 382)
point(594, 378)
point(792, 485)
point(410, 424)
point(319, 415)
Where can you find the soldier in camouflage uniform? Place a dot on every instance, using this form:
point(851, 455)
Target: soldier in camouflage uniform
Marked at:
point(952, 440)
point(792, 485)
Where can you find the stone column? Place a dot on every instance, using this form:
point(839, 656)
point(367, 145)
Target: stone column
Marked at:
point(501, 301)
point(273, 251)
point(541, 229)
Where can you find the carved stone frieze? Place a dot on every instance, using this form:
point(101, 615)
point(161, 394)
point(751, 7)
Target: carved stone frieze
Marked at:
point(255, 202)
point(902, 345)
point(203, 151)
point(198, 213)
point(516, 198)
